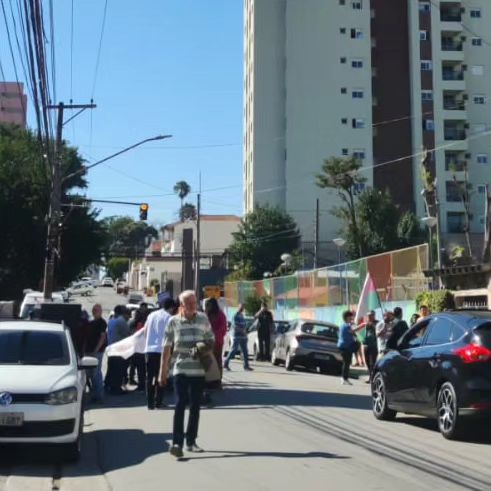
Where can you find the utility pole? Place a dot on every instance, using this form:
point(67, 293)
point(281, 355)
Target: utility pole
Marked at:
point(198, 247)
point(316, 242)
point(54, 214)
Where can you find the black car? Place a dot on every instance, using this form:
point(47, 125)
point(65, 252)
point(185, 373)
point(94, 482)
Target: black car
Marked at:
point(441, 369)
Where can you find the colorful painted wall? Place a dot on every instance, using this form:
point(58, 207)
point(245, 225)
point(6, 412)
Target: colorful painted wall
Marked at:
point(324, 293)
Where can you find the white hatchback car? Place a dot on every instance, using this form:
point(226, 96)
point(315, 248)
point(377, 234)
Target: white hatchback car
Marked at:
point(42, 384)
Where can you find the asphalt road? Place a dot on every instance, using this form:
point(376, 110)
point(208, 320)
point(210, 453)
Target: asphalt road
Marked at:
point(269, 430)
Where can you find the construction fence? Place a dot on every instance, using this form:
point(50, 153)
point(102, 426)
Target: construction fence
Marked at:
point(324, 293)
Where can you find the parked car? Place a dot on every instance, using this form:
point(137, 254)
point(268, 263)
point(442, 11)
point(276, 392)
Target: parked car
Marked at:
point(441, 369)
point(42, 385)
point(135, 298)
point(83, 288)
point(308, 343)
point(91, 281)
point(33, 300)
point(107, 281)
point(253, 341)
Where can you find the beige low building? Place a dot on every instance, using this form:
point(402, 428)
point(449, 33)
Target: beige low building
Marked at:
point(170, 259)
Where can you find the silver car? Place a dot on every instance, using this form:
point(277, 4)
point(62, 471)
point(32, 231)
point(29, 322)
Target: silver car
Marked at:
point(253, 342)
point(308, 343)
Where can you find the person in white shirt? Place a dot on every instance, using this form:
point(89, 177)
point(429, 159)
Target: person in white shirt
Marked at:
point(155, 326)
point(383, 332)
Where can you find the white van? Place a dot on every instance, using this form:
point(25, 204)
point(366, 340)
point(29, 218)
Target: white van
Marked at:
point(34, 299)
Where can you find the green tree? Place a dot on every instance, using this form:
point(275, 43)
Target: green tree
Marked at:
point(117, 266)
point(342, 174)
point(24, 199)
point(187, 212)
point(263, 236)
point(127, 237)
point(409, 230)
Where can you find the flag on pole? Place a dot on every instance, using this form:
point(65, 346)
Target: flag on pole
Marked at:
point(369, 300)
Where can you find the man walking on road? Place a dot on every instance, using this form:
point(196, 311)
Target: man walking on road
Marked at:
point(94, 345)
point(264, 327)
point(154, 337)
point(239, 340)
point(190, 334)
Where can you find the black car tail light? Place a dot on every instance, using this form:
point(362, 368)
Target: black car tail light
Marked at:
point(473, 353)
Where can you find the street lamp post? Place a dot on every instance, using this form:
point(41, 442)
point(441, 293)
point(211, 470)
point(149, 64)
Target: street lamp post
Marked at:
point(53, 234)
point(340, 242)
point(431, 223)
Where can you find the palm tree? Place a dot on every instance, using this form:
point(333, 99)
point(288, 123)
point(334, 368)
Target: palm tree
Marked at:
point(182, 189)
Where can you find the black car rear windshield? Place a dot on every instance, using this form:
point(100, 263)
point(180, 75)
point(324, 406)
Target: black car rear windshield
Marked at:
point(319, 330)
point(33, 348)
point(484, 333)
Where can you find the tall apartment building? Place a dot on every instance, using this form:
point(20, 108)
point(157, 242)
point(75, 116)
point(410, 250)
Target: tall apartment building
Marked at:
point(13, 103)
point(378, 79)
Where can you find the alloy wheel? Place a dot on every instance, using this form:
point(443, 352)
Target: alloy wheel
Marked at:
point(378, 395)
point(446, 409)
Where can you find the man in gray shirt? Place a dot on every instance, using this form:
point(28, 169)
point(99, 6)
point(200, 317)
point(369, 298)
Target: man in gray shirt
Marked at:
point(117, 330)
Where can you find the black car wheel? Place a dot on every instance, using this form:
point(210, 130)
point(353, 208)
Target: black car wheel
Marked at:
point(379, 399)
point(449, 421)
point(289, 362)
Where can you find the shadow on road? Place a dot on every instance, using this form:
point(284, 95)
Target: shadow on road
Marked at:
point(476, 431)
point(122, 448)
point(227, 454)
point(275, 397)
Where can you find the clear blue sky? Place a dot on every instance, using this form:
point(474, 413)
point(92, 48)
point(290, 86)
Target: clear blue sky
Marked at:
point(166, 66)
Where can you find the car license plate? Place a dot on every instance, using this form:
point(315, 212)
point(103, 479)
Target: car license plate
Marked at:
point(11, 419)
point(319, 356)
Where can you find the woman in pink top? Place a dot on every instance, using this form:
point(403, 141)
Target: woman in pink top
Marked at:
point(218, 323)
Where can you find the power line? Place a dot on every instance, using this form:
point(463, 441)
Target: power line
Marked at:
point(99, 50)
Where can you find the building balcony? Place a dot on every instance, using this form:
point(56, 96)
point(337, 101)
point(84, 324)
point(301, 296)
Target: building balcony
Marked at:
point(452, 45)
point(451, 11)
point(455, 75)
point(453, 105)
point(455, 134)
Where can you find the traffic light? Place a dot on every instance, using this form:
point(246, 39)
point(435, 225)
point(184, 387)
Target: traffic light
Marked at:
point(143, 211)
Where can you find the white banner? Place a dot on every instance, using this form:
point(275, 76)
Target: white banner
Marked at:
point(129, 346)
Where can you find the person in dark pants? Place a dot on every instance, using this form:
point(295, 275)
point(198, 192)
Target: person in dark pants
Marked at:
point(137, 361)
point(370, 343)
point(154, 336)
point(264, 327)
point(188, 331)
point(239, 340)
point(346, 344)
point(399, 329)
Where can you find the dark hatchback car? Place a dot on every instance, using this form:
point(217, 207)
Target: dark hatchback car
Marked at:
point(441, 369)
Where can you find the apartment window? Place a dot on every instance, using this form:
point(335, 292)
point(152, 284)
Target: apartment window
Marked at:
point(475, 13)
point(479, 99)
point(359, 154)
point(356, 33)
point(342, 30)
point(344, 121)
point(357, 94)
point(426, 65)
point(342, 2)
point(344, 90)
point(453, 190)
point(455, 222)
point(427, 95)
point(424, 6)
point(423, 35)
point(358, 123)
point(357, 63)
point(477, 70)
point(476, 42)
point(428, 125)
point(357, 5)
point(342, 59)
point(481, 188)
point(482, 158)
point(344, 152)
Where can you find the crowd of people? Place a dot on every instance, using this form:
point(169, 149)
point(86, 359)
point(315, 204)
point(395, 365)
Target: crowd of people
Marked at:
point(367, 341)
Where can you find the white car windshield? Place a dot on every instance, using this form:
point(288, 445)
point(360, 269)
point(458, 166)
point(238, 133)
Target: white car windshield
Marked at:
point(33, 348)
